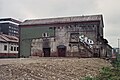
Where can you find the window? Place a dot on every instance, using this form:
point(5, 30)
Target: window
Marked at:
point(50, 27)
point(61, 27)
point(16, 32)
point(45, 35)
point(5, 47)
point(11, 48)
point(9, 26)
point(17, 48)
point(58, 27)
point(14, 48)
point(116, 50)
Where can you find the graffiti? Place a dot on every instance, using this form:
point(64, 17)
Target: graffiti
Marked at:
point(86, 40)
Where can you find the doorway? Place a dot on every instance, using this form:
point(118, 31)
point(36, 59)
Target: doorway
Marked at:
point(61, 50)
point(46, 52)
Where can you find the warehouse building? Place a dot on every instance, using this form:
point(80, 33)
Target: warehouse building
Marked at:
point(77, 36)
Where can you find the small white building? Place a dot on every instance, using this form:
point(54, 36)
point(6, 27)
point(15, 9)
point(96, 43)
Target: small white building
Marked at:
point(8, 46)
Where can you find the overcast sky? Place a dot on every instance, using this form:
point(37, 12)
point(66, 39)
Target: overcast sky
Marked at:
point(31, 9)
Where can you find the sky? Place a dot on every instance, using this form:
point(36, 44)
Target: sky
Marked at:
point(38, 9)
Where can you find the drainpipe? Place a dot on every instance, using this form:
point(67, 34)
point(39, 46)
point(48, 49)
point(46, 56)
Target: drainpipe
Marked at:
point(8, 49)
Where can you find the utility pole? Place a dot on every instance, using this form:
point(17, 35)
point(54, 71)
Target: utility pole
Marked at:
point(118, 47)
point(118, 54)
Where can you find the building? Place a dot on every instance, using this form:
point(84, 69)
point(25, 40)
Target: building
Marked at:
point(78, 36)
point(9, 26)
point(8, 46)
point(115, 52)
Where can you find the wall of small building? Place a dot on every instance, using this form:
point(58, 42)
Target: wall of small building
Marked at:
point(106, 51)
point(13, 48)
point(109, 51)
point(2, 49)
point(115, 52)
point(6, 51)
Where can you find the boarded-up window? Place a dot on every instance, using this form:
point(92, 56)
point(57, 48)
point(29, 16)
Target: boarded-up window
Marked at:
point(74, 37)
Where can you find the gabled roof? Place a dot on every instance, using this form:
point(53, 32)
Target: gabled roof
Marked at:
point(63, 20)
point(2, 39)
point(7, 38)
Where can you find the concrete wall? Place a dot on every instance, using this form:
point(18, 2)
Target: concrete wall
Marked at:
point(62, 37)
point(34, 38)
point(27, 34)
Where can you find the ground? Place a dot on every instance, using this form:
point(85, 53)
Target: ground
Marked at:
point(39, 68)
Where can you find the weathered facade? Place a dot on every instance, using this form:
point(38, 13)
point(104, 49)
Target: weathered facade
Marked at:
point(80, 36)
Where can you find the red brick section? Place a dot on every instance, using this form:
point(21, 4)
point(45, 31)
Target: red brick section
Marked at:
point(8, 54)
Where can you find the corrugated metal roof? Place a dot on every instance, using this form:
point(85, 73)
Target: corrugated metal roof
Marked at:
point(63, 20)
point(7, 38)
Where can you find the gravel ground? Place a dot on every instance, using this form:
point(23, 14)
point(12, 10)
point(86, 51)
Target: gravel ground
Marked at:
point(50, 68)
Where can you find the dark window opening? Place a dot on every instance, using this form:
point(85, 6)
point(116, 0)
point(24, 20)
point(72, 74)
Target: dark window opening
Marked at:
point(58, 27)
point(5, 47)
point(45, 35)
point(14, 48)
point(17, 48)
point(11, 48)
point(51, 27)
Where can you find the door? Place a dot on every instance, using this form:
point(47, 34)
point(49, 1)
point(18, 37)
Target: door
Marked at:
point(61, 50)
point(46, 52)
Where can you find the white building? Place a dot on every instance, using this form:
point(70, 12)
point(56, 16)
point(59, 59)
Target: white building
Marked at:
point(8, 46)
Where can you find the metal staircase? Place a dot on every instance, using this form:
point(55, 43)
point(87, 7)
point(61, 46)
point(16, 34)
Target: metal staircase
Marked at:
point(86, 51)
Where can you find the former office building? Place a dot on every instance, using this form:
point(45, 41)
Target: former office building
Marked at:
point(79, 36)
point(9, 26)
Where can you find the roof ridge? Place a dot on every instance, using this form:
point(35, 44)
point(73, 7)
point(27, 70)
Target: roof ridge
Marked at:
point(64, 17)
point(62, 20)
